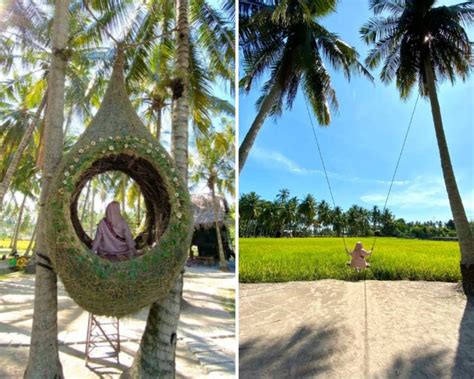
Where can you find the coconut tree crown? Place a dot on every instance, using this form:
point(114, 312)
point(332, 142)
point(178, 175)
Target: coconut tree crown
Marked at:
point(416, 30)
point(285, 38)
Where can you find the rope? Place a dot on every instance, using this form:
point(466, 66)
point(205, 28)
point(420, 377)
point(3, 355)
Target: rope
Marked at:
point(398, 163)
point(324, 167)
point(394, 173)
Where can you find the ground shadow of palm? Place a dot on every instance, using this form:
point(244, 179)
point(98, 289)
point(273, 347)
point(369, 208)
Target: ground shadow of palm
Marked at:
point(428, 365)
point(434, 363)
point(464, 361)
point(305, 354)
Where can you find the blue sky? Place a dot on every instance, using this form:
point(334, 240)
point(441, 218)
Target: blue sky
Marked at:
point(361, 145)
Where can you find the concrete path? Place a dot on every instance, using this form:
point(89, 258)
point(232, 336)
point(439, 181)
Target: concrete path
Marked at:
point(206, 334)
point(337, 329)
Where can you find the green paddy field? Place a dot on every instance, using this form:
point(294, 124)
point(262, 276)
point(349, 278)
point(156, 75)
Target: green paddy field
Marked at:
point(291, 259)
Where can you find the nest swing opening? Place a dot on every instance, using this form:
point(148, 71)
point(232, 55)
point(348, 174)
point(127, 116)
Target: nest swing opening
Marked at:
point(151, 186)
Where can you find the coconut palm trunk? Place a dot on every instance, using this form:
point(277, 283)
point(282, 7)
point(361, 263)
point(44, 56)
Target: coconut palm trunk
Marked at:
point(43, 360)
point(463, 230)
point(257, 124)
point(25, 141)
point(18, 225)
point(157, 352)
point(222, 261)
point(32, 240)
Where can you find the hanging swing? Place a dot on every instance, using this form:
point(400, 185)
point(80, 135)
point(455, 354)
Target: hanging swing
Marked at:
point(117, 140)
point(393, 176)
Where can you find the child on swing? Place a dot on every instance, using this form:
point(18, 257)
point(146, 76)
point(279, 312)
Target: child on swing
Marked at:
point(358, 257)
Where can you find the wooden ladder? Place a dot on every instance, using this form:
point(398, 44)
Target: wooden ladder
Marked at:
point(102, 334)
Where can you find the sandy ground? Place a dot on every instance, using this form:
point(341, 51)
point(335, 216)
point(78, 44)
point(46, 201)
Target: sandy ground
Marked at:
point(206, 334)
point(373, 329)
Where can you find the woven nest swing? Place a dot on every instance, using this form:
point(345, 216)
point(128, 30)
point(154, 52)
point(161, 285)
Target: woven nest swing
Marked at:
point(117, 140)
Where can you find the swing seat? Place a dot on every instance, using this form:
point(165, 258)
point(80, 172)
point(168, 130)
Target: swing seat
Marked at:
point(348, 264)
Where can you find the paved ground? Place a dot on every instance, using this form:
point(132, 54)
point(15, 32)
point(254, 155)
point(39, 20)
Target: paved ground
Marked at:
point(336, 329)
point(206, 341)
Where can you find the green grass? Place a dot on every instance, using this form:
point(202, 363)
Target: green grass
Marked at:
point(290, 259)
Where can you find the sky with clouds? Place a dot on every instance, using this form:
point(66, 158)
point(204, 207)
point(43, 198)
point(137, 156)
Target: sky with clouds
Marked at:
point(362, 144)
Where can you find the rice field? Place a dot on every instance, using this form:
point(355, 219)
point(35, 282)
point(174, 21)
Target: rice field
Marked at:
point(21, 244)
point(291, 259)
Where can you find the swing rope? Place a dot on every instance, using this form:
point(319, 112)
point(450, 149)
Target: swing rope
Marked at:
point(324, 167)
point(398, 163)
point(393, 176)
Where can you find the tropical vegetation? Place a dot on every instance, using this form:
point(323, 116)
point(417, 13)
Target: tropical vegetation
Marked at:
point(284, 39)
point(307, 217)
point(214, 164)
point(291, 259)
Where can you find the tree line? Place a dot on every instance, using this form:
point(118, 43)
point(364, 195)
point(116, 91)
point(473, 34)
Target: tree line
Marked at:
point(290, 216)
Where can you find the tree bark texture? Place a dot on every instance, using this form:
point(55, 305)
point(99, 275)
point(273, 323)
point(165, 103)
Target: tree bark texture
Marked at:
point(43, 359)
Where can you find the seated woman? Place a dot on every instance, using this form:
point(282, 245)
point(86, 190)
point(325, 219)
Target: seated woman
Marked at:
point(358, 257)
point(113, 239)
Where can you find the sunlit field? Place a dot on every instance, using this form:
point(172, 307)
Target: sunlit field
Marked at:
point(291, 259)
point(21, 245)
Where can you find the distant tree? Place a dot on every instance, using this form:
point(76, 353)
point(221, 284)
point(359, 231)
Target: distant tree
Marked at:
point(388, 223)
point(375, 217)
point(339, 220)
point(307, 211)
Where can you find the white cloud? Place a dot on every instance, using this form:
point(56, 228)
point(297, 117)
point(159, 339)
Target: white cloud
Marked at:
point(275, 159)
point(421, 193)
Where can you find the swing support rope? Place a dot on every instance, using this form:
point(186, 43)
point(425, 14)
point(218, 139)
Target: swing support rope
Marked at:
point(394, 172)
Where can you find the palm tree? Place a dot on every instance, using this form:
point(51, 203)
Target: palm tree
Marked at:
point(249, 212)
point(19, 149)
point(211, 55)
point(423, 44)
point(324, 213)
point(44, 362)
point(388, 222)
point(283, 195)
point(157, 351)
point(290, 213)
point(284, 38)
point(18, 224)
point(375, 217)
point(308, 210)
point(215, 165)
point(269, 218)
point(338, 220)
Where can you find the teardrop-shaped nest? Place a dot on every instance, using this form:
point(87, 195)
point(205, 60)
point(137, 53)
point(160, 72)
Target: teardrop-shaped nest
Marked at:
point(118, 140)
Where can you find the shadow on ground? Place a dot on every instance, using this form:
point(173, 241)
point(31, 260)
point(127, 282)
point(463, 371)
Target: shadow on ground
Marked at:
point(305, 354)
point(428, 365)
point(464, 361)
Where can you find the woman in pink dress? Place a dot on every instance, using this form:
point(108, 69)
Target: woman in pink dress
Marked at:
point(358, 257)
point(113, 239)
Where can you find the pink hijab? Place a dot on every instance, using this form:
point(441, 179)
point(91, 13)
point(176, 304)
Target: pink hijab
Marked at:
point(113, 239)
point(112, 213)
point(358, 256)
